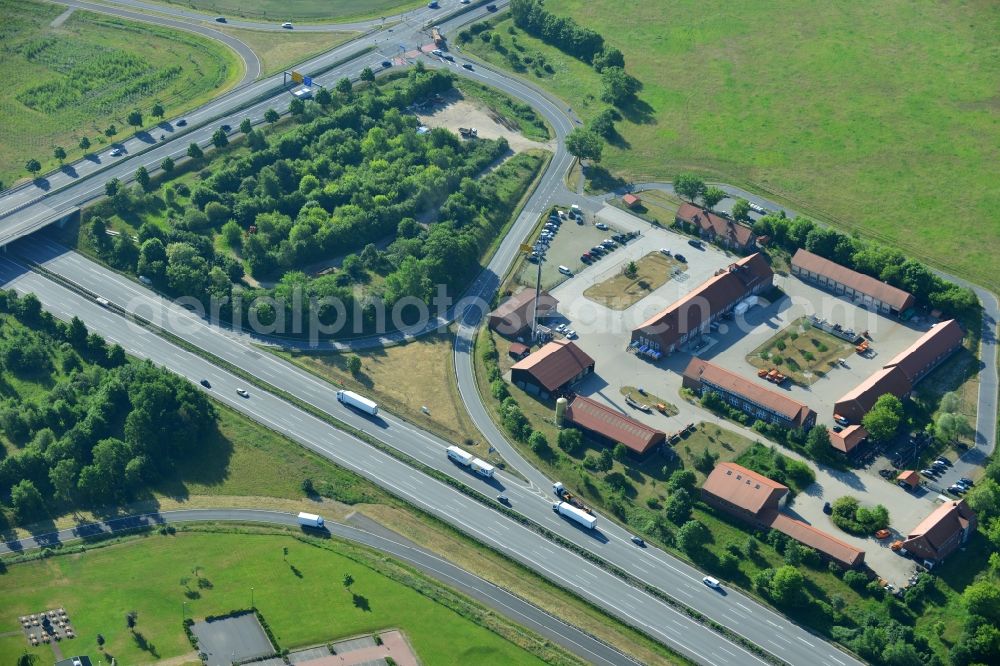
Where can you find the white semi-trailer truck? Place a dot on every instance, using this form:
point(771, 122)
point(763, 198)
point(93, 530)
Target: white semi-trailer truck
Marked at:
point(573, 513)
point(359, 402)
point(310, 520)
point(466, 459)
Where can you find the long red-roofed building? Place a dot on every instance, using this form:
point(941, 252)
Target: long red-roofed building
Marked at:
point(613, 426)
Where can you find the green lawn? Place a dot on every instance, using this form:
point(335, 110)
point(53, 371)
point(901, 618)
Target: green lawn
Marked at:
point(879, 117)
point(300, 10)
point(280, 50)
point(301, 595)
point(75, 80)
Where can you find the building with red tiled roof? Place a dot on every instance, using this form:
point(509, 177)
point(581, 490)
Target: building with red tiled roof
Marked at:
point(744, 493)
point(613, 426)
point(518, 351)
point(925, 354)
point(941, 533)
point(692, 315)
point(513, 316)
point(551, 368)
point(758, 401)
point(631, 200)
point(716, 227)
point(857, 402)
point(848, 439)
point(758, 500)
point(846, 282)
point(909, 478)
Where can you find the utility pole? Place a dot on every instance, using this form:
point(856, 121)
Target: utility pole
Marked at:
point(534, 307)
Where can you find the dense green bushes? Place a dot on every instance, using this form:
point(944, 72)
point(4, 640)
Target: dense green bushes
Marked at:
point(850, 516)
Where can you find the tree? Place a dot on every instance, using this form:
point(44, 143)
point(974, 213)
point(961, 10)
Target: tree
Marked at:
point(689, 186)
point(232, 234)
point(271, 116)
point(884, 418)
point(32, 166)
point(678, 506)
point(984, 499)
point(818, 443)
point(539, 444)
point(604, 123)
point(84, 143)
point(950, 427)
point(571, 441)
point(712, 196)
point(59, 153)
point(983, 598)
point(111, 130)
point(26, 501)
point(367, 74)
point(344, 86)
point(787, 586)
point(134, 118)
point(618, 87)
point(354, 364)
point(167, 164)
point(76, 333)
point(142, 177)
point(682, 479)
point(323, 97)
point(112, 186)
point(692, 536)
point(157, 110)
point(741, 210)
point(631, 269)
point(620, 452)
point(246, 125)
point(219, 138)
point(705, 462)
point(194, 151)
point(609, 57)
point(584, 144)
point(901, 653)
point(297, 107)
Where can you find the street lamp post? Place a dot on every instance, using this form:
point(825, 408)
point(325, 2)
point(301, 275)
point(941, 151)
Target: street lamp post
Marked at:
point(183, 611)
point(251, 597)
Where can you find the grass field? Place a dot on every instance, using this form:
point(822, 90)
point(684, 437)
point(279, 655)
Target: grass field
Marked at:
point(75, 80)
point(801, 352)
point(622, 291)
point(280, 50)
point(881, 118)
point(301, 594)
point(300, 10)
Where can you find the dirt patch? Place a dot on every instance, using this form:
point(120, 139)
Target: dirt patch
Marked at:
point(624, 290)
point(456, 111)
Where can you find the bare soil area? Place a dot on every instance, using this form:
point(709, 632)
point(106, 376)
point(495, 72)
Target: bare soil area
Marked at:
point(457, 111)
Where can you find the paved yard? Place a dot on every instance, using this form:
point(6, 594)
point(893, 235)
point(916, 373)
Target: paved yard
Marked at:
point(233, 639)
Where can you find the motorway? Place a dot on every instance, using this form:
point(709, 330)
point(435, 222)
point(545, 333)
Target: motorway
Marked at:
point(479, 520)
point(503, 602)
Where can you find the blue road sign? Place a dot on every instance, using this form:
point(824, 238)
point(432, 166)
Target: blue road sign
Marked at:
point(307, 80)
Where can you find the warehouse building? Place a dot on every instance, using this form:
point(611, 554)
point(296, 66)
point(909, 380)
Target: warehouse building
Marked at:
point(551, 369)
point(513, 317)
point(612, 427)
point(856, 286)
point(747, 396)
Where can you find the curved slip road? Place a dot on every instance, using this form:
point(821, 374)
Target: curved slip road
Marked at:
point(514, 608)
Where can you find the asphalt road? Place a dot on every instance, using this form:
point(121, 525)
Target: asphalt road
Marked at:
point(483, 522)
point(583, 645)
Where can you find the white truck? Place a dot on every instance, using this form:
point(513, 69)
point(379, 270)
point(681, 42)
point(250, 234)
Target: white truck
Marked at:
point(573, 513)
point(466, 459)
point(357, 401)
point(311, 520)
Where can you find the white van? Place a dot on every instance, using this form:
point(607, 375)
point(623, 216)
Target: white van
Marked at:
point(565, 271)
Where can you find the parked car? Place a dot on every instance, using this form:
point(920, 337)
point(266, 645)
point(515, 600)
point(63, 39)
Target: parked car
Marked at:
point(601, 226)
point(680, 258)
point(827, 509)
point(943, 461)
point(694, 242)
point(929, 473)
point(838, 428)
point(586, 258)
point(967, 481)
point(884, 473)
point(957, 489)
point(664, 251)
point(565, 271)
point(533, 259)
point(571, 334)
point(437, 52)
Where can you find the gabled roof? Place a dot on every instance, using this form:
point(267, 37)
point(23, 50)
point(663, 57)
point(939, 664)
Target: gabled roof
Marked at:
point(555, 364)
point(941, 338)
point(612, 424)
point(715, 224)
point(863, 396)
point(630, 200)
point(942, 525)
point(699, 370)
point(515, 313)
point(909, 476)
point(848, 439)
point(714, 295)
point(825, 543)
point(742, 487)
point(886, 293)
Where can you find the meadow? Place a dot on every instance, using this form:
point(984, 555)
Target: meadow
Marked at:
point(298, 587)
point(878, 118)
point(75, 80)
point(302, 10)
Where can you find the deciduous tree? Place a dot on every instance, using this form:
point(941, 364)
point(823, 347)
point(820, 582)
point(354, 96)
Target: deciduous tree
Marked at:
point(585, 144)
point(689, 186)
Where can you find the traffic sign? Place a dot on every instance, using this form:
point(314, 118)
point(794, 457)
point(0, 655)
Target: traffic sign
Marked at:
point(525, 247)
point(307, 80)
point(297, 77)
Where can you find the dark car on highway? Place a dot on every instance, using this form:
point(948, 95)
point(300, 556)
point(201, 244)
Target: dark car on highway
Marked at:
point(467, 65)
point(182, 122)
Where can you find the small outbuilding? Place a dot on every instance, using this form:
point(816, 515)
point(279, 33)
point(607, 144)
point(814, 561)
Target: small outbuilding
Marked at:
point(518, 351)
point(552, 368)
point(631, 200)
point(848, 439)
point(908, 479)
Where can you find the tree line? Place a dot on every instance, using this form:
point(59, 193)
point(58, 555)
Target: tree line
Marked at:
point(102, 428)
point(352, 173)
